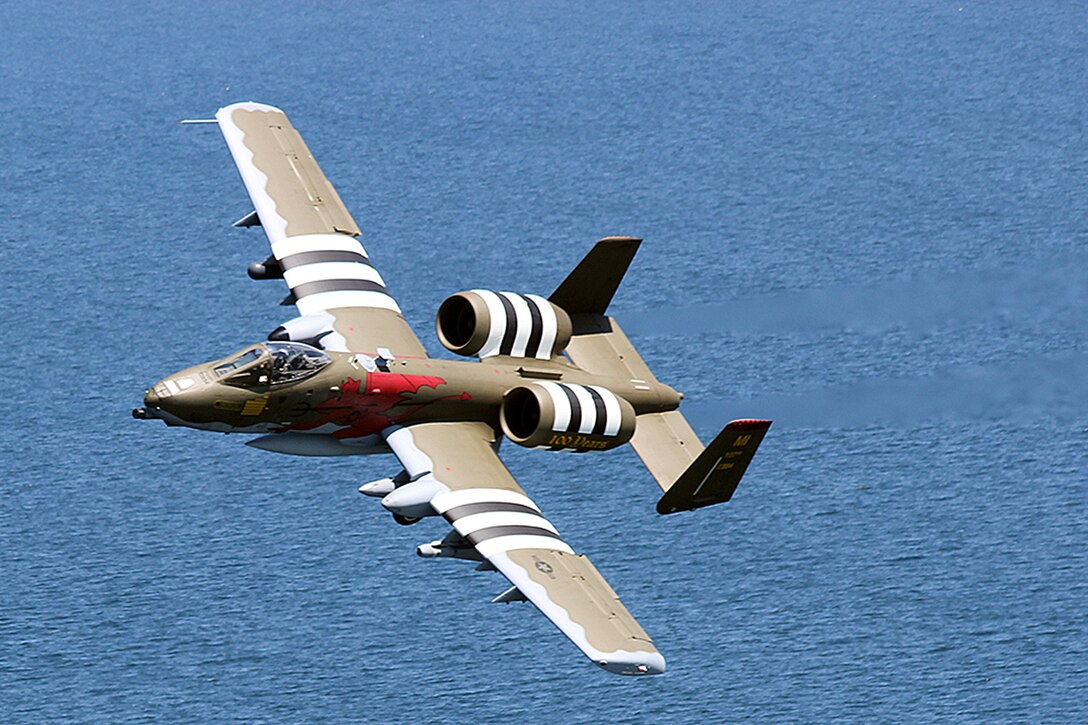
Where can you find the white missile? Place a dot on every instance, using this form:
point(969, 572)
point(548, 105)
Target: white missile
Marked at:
point(380, 488)
point(452, 547)
point(430, 551)
point(385, 486)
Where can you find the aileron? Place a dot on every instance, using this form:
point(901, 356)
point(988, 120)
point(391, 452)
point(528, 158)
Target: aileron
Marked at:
point(290, 192)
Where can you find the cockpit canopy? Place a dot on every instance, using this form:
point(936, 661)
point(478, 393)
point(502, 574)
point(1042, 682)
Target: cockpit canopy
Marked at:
point(272, 363)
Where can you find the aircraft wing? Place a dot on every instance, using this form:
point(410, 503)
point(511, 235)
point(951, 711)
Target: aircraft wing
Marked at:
point(472, 489)
point(312, 235)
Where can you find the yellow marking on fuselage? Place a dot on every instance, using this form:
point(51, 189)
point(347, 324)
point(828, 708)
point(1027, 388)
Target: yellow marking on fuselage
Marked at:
point(742, 440)
point(254, 406)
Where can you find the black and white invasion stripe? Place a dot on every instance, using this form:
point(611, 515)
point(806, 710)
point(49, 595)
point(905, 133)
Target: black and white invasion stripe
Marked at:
point(327, 271)
point(495, 520)
point(585, 409)
point(521, 325)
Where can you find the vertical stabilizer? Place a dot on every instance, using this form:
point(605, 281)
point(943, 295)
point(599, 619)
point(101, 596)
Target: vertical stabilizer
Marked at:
point(589, 288)
point(714, 475)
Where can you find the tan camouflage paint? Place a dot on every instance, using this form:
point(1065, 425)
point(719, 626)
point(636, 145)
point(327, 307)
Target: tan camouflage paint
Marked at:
point(303, 196)
point(575, 585)
point(310, 205)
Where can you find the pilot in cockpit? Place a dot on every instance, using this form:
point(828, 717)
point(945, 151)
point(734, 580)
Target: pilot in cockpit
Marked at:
point(273, 362)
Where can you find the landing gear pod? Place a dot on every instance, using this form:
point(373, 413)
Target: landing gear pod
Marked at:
point(308, 329)
point(566, 417)
point(486, 323)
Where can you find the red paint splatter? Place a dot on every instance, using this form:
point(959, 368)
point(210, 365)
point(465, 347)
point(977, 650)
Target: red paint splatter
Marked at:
point(366, 408)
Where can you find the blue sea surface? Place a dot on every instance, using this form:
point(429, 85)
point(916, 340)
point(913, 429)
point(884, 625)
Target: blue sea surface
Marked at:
point(867, 221)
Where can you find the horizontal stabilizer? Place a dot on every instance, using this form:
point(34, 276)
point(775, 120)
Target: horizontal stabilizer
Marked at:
point(590, 287)
point(666, 444)
point(714, 475)
point(599, 346)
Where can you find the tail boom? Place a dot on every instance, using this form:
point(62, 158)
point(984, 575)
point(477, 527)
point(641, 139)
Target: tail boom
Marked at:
point(690, 475)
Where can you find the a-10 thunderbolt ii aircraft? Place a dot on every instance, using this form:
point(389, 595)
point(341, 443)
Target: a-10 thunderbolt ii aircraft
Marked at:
point(348, 376)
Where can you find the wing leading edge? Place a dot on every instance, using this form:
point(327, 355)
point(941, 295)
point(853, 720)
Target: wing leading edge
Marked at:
point(312, 234)
point(472, 489)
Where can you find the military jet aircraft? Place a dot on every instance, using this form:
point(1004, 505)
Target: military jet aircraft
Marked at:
point(349, 377)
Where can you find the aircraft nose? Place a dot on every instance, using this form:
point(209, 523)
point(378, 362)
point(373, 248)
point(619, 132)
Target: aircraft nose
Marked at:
point(152, 404)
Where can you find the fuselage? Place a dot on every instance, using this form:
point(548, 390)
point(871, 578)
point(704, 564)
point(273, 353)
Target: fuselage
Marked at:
point(354, 396)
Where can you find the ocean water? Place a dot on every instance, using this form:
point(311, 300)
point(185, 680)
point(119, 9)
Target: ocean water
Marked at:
point(866, 221)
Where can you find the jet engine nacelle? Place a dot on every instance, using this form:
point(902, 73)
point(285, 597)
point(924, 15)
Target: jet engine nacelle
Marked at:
point(566, 417)
point(485, 323)
point(309, 329)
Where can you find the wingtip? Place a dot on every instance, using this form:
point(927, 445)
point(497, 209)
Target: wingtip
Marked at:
point(247, 106)
point(636, 664)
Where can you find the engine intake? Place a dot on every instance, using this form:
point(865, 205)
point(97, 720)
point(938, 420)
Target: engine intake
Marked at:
point(485, 323)
point(566, 417)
